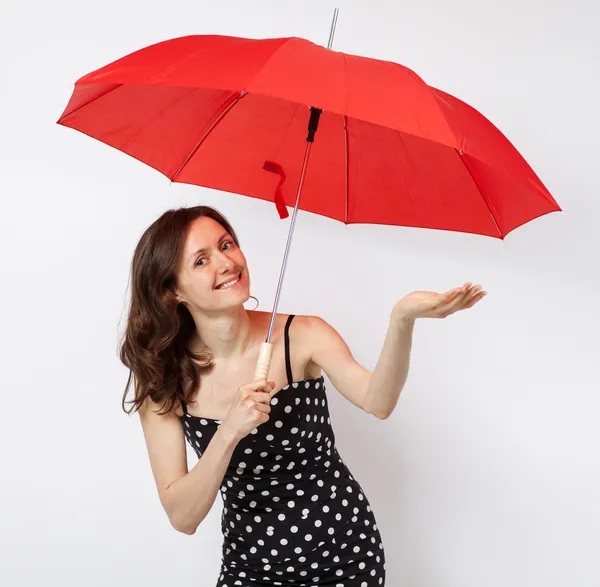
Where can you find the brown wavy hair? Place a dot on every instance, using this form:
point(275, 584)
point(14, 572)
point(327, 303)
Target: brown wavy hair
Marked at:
point(159, 328)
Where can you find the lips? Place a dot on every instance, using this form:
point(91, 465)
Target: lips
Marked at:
point(239, 277)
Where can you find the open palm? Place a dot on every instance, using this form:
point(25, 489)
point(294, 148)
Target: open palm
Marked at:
point(429, 304)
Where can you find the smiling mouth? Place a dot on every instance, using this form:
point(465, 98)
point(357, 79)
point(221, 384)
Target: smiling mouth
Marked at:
point(239, 278)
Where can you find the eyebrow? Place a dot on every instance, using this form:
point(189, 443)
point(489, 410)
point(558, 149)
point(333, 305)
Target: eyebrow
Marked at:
point(204, 249)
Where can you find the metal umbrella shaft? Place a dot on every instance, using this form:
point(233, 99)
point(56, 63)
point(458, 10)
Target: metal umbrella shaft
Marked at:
point(266, 350)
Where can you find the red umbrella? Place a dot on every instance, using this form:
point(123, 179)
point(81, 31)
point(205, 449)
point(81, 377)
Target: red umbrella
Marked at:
point(231, 113)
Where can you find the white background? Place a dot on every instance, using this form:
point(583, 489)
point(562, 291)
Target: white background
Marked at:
point(487, 473)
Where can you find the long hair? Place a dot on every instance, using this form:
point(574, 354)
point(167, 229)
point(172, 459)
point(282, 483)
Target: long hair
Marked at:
point(159, 327)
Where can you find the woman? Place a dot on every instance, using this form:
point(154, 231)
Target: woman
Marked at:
point(293, 514)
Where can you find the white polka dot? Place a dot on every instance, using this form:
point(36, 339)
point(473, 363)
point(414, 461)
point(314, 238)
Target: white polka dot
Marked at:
point(296, 467)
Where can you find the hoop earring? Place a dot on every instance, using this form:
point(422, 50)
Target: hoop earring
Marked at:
point(257, 303)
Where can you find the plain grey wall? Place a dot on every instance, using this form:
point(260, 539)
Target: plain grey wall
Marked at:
point(486, 474)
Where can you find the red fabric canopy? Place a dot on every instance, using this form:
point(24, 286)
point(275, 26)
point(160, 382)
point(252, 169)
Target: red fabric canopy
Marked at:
point(212, 110)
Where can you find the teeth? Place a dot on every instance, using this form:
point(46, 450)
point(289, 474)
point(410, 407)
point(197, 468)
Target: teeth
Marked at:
point(228, 284)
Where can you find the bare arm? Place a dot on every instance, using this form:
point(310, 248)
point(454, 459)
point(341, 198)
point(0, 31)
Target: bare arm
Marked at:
point(391, 372)
point(187, 497)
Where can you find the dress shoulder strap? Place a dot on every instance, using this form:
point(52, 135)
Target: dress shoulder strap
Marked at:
point(288, 363)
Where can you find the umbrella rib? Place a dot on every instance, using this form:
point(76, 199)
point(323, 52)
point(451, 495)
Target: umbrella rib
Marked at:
point(269, 58)
point(347, 177)
point(225, 108)
point(346, 164)
point(62, 118)
point(487, 203)
point(156, 115)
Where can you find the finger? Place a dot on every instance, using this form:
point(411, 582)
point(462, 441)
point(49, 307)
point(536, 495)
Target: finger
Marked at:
point(472, 292)
point(478, 296)
point(453, 300)
point(261, 396)
point(456, 302)
point(261, 384)
point(264, 408)
point(466, 288)
point(465, 292)
point(458, 291)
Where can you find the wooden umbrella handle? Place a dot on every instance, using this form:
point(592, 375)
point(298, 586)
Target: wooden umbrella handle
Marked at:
point(264, 361)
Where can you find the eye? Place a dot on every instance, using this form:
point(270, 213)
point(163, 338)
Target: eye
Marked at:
point(203, 258)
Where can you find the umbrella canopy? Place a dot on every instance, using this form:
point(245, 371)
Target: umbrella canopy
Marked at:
point(231, 113)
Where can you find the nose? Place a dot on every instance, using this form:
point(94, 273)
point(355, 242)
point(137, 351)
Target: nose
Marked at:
point(226, 264)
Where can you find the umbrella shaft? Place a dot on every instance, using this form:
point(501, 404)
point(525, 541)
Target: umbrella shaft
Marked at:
point(289, 240)
point(332, 31)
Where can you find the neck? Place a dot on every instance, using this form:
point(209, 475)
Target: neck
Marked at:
point(229, 335)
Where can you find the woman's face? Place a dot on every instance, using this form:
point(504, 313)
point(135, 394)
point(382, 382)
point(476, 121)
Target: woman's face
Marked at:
point(211, 258)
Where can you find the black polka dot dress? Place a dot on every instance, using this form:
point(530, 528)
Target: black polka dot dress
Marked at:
point(293, 515)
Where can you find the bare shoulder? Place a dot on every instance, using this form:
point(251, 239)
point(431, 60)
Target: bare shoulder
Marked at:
point(311, 330)
point(302, 329)
point(302, 335)
point(330, 352)
point(311, 333)
point(314, 329)
point(299, 330)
